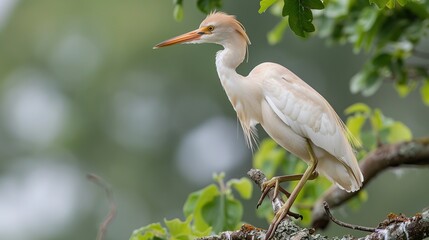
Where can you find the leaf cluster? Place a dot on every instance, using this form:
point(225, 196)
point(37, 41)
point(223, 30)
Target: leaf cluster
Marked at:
point(299, 13)
point(391, 35)
point(211, 209)
point(389, 30)
point(372, 128)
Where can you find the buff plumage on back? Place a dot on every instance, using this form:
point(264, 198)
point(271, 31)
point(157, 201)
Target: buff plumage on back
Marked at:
point(229, 20)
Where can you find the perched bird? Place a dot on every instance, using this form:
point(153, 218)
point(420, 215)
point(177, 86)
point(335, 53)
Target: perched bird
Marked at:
point(295, 115)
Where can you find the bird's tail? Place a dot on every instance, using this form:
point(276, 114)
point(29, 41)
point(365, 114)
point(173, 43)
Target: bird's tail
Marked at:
point(345, 176)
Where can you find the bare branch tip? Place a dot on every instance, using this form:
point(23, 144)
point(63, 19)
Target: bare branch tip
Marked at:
point(343, 224)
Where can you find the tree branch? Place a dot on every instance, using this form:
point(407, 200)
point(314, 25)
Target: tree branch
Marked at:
point(415, 152)
point(399, 227)
point(396, 227)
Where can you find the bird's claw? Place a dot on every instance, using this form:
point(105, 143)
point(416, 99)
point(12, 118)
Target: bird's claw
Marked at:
point(263, 195)
point(267, 186)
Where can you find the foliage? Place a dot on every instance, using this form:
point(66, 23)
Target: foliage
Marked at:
point(389, 30)
point(300, 15)
point(372, 128)
point(211, 209)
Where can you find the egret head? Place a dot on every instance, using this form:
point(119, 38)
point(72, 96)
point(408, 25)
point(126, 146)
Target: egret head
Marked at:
point(218, 27)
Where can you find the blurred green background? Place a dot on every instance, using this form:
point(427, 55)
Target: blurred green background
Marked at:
point(82, 90)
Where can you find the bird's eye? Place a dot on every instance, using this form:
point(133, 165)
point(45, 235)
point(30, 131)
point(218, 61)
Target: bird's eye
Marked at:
point(210, 28)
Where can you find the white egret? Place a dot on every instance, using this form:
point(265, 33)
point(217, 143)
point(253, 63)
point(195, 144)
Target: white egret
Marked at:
point(295, 115)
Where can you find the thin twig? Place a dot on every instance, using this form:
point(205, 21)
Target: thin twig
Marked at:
point(343, 224)
point(112, 205)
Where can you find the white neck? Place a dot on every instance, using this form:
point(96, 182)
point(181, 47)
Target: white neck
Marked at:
point(228, 59)
point(236, 86)
point(233, 54)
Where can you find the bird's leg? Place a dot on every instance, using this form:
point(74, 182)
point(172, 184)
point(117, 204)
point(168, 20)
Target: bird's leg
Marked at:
point(281, 214)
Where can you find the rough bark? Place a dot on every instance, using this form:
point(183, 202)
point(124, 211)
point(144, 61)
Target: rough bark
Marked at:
point(396, 227)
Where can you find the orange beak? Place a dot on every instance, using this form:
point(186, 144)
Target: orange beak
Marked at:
point(187, 37)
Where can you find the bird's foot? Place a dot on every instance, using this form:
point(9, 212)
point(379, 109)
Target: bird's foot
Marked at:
point(267, 186)
point(274, 183)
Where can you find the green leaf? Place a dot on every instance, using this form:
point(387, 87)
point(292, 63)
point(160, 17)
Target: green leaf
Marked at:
point(390, 4)
point(398, 132)
point(200, 234)
point(366, 22)
point(424, 92)
point(367, 82)
point(195, 203)
point(357, 83)
point(402, 2)
point(178, 228)
point(404, 89)
point(276, 34)
point(391, 31)
point(223, 213)
point(265, 4)
point(358, 107)
point(355, 123)
point(152, 231)
point(178, 12)
point(377, 120)
point(243, 186)
point(300, 16)
point(313, 4)
point(372, 84)
point(419, 9)
point(206, 6)
point(381, 60)
point(191, 203)
point(380, 3)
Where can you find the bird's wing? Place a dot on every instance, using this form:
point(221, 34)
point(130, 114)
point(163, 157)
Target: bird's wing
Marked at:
point(305, 111)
